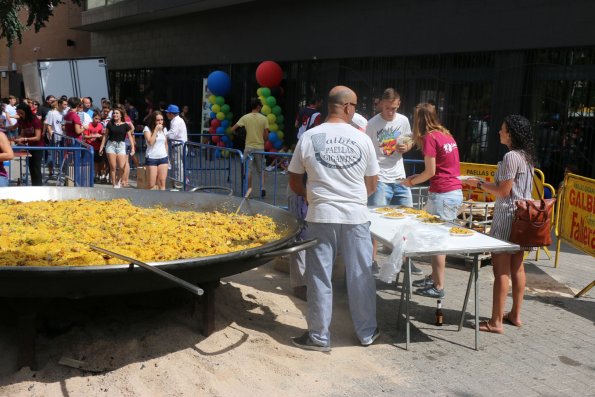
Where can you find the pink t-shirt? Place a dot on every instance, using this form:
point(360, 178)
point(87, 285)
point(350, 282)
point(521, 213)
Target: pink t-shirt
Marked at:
point(444, 149)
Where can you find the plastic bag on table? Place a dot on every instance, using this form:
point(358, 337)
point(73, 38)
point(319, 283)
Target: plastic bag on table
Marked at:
point(426, 237)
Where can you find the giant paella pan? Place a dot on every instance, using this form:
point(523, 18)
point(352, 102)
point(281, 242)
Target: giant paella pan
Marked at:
point(84, 281)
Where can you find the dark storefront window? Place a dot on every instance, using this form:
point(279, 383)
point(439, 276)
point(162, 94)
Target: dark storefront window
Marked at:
point(554, 88)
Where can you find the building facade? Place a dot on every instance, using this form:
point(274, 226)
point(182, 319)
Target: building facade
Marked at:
point(56, 40)
point(478, 60)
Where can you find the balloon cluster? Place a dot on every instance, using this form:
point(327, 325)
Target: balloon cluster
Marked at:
point(269, 75)
point(219, 84)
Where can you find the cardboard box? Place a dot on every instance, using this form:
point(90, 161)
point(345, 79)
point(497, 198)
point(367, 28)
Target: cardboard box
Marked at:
point(142, 176)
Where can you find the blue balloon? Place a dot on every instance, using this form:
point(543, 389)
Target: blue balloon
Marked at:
point(273, 137)
point(217, 154)
point(213, 115)
point(278, 144)
point(220, 130)
point(225, 139)
point(225, 123)
point(219, 83)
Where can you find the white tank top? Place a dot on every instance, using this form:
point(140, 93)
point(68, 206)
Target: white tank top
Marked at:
point(158, 149)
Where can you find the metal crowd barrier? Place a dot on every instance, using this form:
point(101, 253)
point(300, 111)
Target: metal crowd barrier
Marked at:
point(61, 165)
point(210, 165)
point(280, 179)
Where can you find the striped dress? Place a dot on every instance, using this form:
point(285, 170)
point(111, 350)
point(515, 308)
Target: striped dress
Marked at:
point(513, 166)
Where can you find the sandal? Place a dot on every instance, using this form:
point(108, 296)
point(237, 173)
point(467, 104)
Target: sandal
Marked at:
point(506, 319)
point(485, 326)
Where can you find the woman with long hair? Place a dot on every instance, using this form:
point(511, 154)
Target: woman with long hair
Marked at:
point(30, 134)
point(441, 160)
point(115, 146)
point(513, 181)
point(157, 157)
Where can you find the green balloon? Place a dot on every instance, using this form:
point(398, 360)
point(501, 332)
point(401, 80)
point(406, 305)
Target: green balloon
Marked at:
point(229, 116)
point(266, 92)
point(276, 110)
point(225, 108)
point(280, 119)
point(281, 126)
point(271, 101)
point(219, 100)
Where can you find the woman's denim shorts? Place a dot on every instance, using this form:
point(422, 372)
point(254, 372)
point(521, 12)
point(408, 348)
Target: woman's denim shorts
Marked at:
point(155, 162)
point(445, 205)
point(113, 147)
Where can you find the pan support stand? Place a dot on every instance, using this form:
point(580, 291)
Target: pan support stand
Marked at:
point(207, 307)
point(27, 333)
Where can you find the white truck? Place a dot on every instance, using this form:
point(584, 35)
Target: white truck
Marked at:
point(78, 77)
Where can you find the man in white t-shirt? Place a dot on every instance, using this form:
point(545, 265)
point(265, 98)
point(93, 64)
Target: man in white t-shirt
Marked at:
point(178, 134)
point(391, 134)
point(342, 172)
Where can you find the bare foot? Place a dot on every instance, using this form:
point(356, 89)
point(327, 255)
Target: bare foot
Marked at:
point(485, 326)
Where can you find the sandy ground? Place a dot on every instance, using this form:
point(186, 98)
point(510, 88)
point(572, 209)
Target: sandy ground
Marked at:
point(149, 346)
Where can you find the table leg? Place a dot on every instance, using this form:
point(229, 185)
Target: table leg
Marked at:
point(467, 297)
point(407, 282)
point(400, 310)
point(475, 278)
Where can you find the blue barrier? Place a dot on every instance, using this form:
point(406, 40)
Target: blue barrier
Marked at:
point(74, 163)
point(210, 165)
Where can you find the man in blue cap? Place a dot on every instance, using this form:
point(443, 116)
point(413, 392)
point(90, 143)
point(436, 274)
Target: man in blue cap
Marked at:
point(178, 135)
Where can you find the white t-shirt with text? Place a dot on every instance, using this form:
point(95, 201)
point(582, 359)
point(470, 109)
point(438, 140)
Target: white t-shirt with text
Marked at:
point(384, 135)
point(336, 157)
point(54, 119)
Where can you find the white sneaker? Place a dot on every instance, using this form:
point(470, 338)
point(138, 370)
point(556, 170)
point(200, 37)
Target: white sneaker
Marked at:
point(270, 168)
point(117, 186)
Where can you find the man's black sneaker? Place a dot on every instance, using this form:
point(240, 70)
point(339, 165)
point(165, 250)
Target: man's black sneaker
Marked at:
point(375, 336)
point(375, 267)
point(263, 193)
point(305, 342)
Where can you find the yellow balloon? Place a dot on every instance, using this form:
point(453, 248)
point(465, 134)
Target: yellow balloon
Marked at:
point(220, 116)
point(212, 99)
point(280, 135)
point(265, 110)
point(271, 117)
point(273, 126)
point(263, 100)
point(215, 108)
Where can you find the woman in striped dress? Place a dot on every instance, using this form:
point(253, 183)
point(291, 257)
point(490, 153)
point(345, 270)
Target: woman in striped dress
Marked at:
point(513, 181)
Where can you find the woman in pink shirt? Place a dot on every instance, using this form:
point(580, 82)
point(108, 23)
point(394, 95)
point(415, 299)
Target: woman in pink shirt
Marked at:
point(441, 160)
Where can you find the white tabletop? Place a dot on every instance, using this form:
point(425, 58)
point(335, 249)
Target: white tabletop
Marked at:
point(431, 239)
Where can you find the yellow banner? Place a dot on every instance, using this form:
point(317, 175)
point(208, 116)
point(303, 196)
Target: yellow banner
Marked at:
point(483, 171)
point(487, 172)
point(577, 216)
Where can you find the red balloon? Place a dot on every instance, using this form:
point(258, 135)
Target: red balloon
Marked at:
point(269, 74)
point(215, 123)
point(268, 145)
point(221, 143)
point(212, 130)
point(215, 139)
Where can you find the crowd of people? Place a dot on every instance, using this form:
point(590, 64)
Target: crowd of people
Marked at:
point(108, 129)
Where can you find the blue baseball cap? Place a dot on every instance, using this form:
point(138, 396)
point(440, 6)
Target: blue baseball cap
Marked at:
point(172, 109)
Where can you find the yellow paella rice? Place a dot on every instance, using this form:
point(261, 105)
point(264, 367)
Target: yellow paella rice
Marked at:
point(56, 233)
